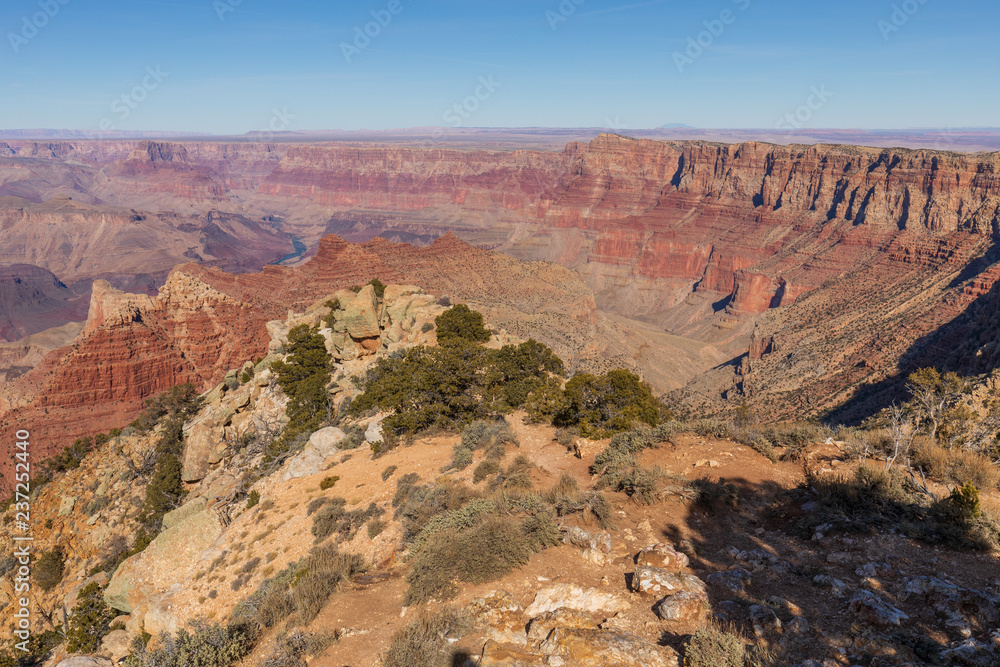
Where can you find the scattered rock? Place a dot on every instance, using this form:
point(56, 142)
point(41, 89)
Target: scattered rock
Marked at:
point(838, 587)
point(664, 557)
point(575, 597)
point(84, 661)
point(656, 580)
point(684, 607)
point(66, 505)
point(502, 615)
point(735, 580)
point(766, 623)
point(117, 644)
point(873, 610)
point(585, 540)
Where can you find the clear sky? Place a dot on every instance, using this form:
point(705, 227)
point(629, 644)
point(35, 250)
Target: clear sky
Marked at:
point(232, 66)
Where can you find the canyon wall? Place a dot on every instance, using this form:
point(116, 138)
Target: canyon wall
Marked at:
point(846, 258)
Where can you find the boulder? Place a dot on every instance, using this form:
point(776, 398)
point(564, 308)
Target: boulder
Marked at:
point(117, 644)
point(575, 597)
point(305, 463)
point(169, 559)
point(188, 509)
point(598, 648)
point(359, 317)
point(657, 580)
point(84, 661)
point(160, 618)
point(373, 434)
point(198, 446)
point(664, 557)
point(585, 540)
point(66, 505)
point(684, 607)
point(502, 615)
point(327, 441)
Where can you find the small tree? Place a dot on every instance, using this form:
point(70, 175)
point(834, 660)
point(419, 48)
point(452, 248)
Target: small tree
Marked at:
point(461, 323)
point(48, 570)
point(90, 621)
point(935, 398)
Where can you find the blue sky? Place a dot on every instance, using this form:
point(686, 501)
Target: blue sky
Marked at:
point(231, 66)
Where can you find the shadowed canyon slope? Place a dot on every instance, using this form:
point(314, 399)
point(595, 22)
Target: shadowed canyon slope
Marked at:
point(788, 275)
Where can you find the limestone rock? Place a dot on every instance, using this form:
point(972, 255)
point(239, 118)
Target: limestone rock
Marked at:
point(541, 626)
point(188, 509)
point(766, 623)
point(84, 661)
point(575, 597)
point(664, 557)
point(327, 441)
point(656, 580)
point(360, 314)
point(498, 655)
point(305, 463)
point(502, 615)
point(66, 505)
point(117, 644)
point(198, 447)
point(598, 648)
point(684, 607)
point(160, 618)
point(166, 561)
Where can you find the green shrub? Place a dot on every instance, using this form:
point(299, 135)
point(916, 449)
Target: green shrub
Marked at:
point(478, 542)
point(461, 323)
point(452, 385)
point(180, 402)
point(253, 498)
point(329, 482)
point(712, 647)
point(90, 620)
point(303, 378)
point(203, 645)
point(567, 498)
point(97, 504)
point(48, 569)
point(877, 499)
point(330, 320)
point(378, 286)
point(326, 519)
point(605, 404)
point(320, 575)
point(486, 468)
point(426, 327)
point(425, 641)
point(375, 528)
point(387, 473)
point(290, 649)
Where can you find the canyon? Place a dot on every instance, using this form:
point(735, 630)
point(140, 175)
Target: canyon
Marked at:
point(800, 279)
